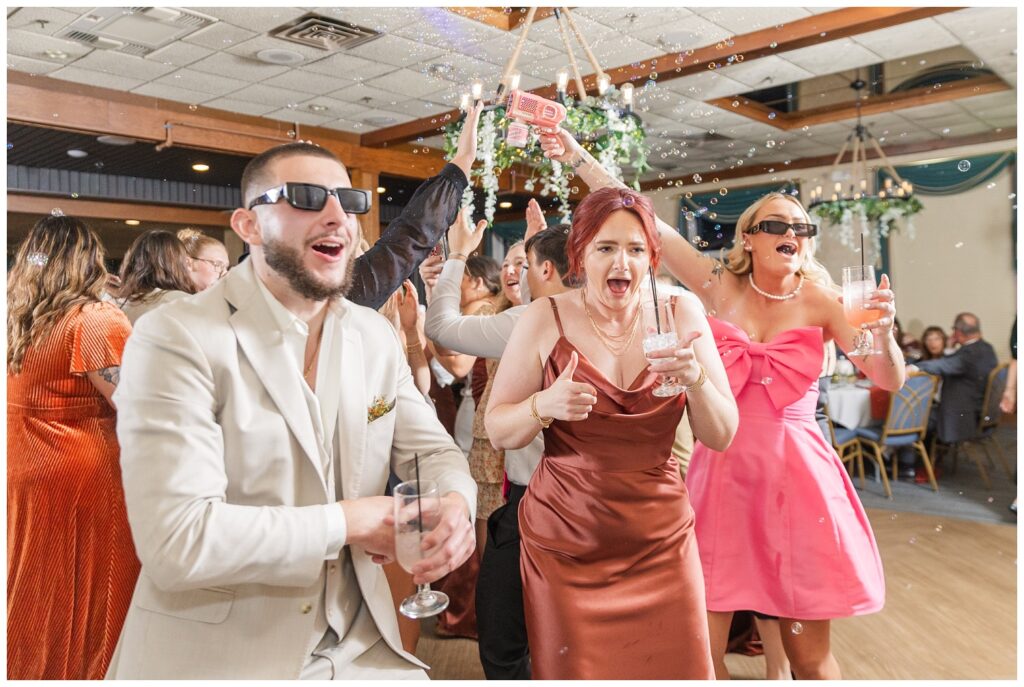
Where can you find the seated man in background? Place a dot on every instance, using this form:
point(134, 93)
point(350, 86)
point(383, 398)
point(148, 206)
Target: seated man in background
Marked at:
point(964, 376)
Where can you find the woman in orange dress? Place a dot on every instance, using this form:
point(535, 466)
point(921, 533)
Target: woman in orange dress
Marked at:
point(612, 582)
point(71, 565)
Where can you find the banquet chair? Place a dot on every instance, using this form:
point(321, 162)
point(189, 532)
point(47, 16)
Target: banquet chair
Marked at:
point(985, 433)
point(847, 445)
point(905, 423)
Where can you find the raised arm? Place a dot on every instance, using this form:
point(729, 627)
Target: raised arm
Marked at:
point(685, 262)
point(411, 236)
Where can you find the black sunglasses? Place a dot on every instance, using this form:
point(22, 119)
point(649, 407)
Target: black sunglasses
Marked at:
point(777, 228)
point(354, 201)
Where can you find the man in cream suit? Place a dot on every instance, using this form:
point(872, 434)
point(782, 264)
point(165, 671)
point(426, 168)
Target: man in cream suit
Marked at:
point(258, 423)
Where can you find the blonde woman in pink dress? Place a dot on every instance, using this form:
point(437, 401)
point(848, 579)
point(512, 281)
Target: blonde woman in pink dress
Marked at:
point(779, 526)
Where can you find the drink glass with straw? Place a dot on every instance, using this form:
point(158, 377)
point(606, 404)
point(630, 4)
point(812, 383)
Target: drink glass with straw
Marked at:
point(859, 288)
point(417, 512)
point(658, 321)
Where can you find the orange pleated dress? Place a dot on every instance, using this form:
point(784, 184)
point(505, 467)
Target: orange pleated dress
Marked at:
point(612, 581)
point(71, 565)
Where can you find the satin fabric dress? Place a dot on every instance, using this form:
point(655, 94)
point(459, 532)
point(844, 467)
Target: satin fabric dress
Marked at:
point(611, 578)
point(780, 527)
point(71, 564)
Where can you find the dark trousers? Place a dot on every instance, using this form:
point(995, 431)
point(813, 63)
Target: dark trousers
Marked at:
point(500, 619)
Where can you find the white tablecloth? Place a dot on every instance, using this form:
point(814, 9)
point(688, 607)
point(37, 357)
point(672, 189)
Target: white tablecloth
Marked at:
point(849, 406)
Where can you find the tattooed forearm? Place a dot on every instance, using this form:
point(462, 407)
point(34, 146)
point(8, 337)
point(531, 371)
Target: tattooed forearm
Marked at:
point(111, 375)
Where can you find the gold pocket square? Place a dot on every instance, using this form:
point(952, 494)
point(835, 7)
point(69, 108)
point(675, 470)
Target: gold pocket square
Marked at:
point(378, 409)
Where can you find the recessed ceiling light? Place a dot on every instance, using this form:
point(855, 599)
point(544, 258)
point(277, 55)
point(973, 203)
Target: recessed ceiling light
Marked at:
point(76, 153)
point(318, 108)
point(116, 140)
point(132, 222)
point(280, 56)
point(201, 167)
point(380, 121)
point(381, 189)
point(505, 204)
point(56, 54)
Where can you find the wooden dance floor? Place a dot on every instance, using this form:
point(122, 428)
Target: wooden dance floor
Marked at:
point(950, 613)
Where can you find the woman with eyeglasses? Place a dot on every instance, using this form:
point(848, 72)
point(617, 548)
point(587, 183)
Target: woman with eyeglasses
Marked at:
point(207, 258)
point(154, 271)
point(780, 528)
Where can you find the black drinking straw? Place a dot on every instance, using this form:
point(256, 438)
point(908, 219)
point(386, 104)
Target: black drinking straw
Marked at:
point(654, 295)
point(862, 253)
point(419, 504)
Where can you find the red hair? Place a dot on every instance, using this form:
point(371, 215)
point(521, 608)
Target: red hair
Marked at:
point(591, 214)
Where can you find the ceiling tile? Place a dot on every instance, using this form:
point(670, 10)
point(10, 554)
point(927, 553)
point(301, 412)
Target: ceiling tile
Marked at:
point(27, 44)
point(419, 108)
point(628, 20)
point(707, 86)
point(378, 119)
point(219, 36)
point(623, 50)
point(306, 117)
point(269, 95)
point(336, 109)
point(765, 72)
point(307, 82)
point(254, 45)
point(45, 21)
point(996, 46)
point(199, 81)
point(447, 30)
point(833, 56)
point(239, 106)
point(179, 54)
point(168, 92)
point(346, 125)
point(943, 109)
point(741, 20)
point(394, 50)
point(30, 66)
point(408, 83)
point(124, 65)
point(499, 51)
point(347, 66)
point(912, 38)
point(258, 19)
point(357, 93)
point(94, 78)
point(694, 32)
point(965, 127)
point(974, 23)
point(235, 67)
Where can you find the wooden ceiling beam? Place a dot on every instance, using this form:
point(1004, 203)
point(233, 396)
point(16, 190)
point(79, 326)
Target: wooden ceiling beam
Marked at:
point(499, 18)
point(52, 103)
point(871, 105)
point(827, 160)
point(814, 30)
point(108, 209)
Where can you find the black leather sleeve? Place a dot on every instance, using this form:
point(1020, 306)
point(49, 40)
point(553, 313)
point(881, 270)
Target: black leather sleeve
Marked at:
point(408, 239)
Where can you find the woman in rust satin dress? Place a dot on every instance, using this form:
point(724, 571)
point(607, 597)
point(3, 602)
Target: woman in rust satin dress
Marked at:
point(71, 565)
point(612, 580)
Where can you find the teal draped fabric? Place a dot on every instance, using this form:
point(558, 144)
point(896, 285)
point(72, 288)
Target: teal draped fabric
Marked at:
point(514, 230)
point(952, 176)
point(729, 207)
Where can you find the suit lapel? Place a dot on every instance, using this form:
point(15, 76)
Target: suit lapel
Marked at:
point(351, 407)
point(260, 341)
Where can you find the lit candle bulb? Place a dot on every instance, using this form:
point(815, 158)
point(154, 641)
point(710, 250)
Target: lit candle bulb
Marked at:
point(562, 75)
point(464, 104)
point(817, 191)
point(839, 187)
point(910, 188)
point(888, 183)
point(603, 82)
point(513, 81)
point(477, 89)
point(863, 184)
point(627, 96)
point(881, 194)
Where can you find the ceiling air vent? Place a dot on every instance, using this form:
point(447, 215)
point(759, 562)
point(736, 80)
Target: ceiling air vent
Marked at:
point(324, 33)
point(134, 30)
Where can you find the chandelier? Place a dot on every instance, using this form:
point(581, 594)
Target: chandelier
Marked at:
point(604, 124)
point(862, 203)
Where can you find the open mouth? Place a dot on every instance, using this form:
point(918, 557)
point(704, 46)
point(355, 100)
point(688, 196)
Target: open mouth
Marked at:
point(786, 248)
point(512, 283)
point(329, 248)
point(619, 287)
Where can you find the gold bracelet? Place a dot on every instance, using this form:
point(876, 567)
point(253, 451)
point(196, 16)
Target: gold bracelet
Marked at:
point(412, 347)
point(457, 256)
point(545, 422)
point(700, 380)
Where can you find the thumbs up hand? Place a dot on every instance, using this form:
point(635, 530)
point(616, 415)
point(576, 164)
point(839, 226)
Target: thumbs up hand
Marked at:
point(678, 361)
point(565, 399)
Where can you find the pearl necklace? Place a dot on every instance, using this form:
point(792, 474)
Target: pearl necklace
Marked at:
point(785, 297)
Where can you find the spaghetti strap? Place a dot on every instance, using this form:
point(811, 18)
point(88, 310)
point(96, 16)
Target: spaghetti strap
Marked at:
point(558, 320)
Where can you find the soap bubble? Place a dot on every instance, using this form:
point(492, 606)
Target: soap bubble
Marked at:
point(796, 628)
